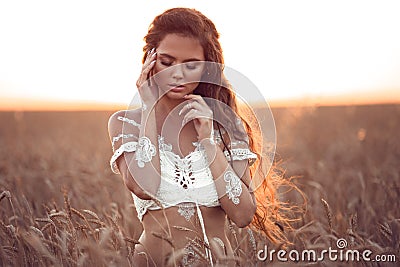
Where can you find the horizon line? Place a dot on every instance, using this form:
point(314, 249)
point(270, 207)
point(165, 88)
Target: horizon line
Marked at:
point(46, 105)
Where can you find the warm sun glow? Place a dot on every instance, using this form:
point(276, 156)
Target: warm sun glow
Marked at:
point(83, 54)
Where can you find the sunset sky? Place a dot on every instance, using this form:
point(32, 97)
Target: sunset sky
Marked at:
point(88, 53)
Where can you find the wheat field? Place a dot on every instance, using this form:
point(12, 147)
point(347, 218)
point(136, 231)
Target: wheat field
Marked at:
point(60, 204)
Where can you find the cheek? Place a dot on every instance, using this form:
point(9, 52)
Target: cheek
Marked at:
point(162, 73)
point(194, 75)
point(192, 86)
point(157, 68)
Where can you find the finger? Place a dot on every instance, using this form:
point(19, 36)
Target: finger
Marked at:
point(191, 115)
point(151, 51)
point(189, 106)
point(197, 114)
point(149, 54)
point(149, 59)
point(203, 110)
point(194, 97)
point(145, 72)
point(148, 68)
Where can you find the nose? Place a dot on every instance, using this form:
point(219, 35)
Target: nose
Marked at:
point(177, 72)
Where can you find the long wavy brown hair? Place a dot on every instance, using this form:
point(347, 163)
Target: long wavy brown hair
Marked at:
point(272, 216)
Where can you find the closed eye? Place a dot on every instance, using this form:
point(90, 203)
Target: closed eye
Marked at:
point(166, 63)
point(191, 66)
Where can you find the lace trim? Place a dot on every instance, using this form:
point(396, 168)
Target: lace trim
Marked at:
point(186, 210)
point(145, 152)
point(237, 154)
point(233, 186)
point(162, 145)
point(142, 206)
point(116, 138)
point(124, 119)
point(241, 154)
point(127, 147)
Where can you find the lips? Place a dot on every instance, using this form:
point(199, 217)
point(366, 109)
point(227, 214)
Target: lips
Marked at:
point(176, 87)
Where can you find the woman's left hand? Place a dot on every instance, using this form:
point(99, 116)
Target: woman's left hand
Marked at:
point(197, 110)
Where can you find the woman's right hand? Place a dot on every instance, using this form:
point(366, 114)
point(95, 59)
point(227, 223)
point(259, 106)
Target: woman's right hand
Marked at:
point(147, 89)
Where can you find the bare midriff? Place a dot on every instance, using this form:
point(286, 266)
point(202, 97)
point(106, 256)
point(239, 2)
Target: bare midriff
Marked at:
point(166, 232)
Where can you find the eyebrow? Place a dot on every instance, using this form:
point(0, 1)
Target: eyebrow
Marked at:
point(174, 58)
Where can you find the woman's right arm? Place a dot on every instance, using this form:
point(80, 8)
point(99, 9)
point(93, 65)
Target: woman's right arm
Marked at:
point(137, 157)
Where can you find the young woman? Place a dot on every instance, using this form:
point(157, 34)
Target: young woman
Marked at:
point(187, 155)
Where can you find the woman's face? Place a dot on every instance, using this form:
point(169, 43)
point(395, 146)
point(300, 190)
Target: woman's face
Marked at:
point(176, 79)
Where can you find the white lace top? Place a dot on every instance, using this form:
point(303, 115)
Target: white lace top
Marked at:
point(184, 181)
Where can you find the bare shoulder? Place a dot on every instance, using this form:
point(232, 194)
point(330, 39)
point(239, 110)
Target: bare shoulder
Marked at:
point(116, 120)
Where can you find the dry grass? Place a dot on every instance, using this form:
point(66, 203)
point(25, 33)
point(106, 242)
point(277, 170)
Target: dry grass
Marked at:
point(60, 205)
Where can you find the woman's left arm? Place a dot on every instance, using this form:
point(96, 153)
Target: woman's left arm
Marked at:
point(232, 182)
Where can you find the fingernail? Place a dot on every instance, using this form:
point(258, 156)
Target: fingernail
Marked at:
point(152, 50)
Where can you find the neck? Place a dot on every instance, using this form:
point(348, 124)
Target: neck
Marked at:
point(166, 104)
point(165, 111)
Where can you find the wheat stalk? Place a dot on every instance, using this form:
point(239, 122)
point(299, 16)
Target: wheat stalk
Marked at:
point(182, 228)
point(67, 204)
point(47, 225)
point(386, 231)
point(78, 213)
point(91, 213)
point(328, 213)
point(37, 231)
point(130, 240)
point(164, 237)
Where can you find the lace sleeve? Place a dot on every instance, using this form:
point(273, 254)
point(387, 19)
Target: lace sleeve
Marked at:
point(127, 147)
point(124, 142)
point(239, 150)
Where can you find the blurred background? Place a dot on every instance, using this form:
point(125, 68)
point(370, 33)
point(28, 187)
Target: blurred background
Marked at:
point(85, 54)
point(329, 70)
